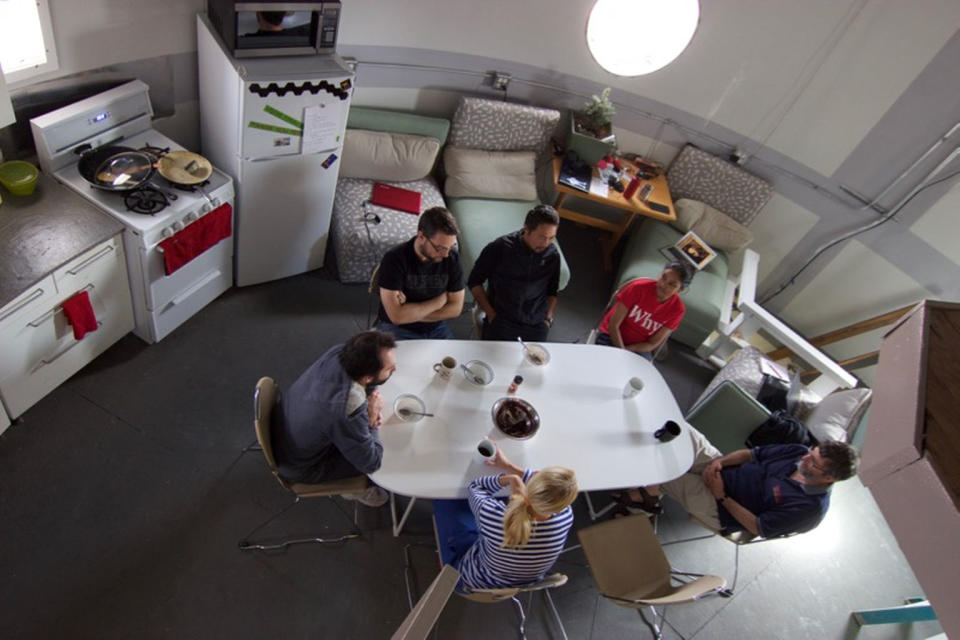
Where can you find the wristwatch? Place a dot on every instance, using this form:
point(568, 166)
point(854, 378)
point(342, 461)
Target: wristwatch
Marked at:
point(548, 321)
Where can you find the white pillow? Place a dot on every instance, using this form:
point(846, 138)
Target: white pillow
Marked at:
point(391, 157)
point(473, 173)
point(720, 231)
point(689, 213)
point(714, 227)
point(837, 414)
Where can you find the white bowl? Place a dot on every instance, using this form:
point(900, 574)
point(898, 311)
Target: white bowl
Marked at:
point(410, 402)
point(478, 372)
point(537, 354)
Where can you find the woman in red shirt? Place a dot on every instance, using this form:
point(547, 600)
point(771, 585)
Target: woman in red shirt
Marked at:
point(646, 311)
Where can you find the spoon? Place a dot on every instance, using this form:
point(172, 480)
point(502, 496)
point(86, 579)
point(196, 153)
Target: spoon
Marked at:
point(534, 358)
point(404, 412)
point(477, 379)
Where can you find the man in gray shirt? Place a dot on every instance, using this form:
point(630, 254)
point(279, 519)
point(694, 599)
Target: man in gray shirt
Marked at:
point(325, 426)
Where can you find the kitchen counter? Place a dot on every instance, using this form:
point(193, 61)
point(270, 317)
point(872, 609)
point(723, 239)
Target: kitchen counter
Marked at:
point(43, 231)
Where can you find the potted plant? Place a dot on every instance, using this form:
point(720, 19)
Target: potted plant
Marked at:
point(590, 129)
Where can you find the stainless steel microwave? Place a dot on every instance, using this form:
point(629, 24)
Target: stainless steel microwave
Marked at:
point(276, 27)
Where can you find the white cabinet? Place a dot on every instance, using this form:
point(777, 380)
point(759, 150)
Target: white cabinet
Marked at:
point(39, 350)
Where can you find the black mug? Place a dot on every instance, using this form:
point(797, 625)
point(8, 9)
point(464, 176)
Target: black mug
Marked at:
point(667, 432)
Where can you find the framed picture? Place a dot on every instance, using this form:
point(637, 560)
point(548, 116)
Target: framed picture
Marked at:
point(695, 250)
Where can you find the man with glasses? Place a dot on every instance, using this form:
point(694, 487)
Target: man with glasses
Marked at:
point(421, 281)
point(769, 491)
point(522, 274)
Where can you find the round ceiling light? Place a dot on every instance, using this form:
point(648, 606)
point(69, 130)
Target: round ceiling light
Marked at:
point(635, 37)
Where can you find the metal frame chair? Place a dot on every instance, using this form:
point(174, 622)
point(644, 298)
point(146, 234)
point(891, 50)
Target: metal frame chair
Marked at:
point(631, 570)
point(490, 596)
point(264, 398)
point(727, 416)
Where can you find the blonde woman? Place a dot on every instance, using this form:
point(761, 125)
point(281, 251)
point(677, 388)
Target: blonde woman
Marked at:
point(500, 543)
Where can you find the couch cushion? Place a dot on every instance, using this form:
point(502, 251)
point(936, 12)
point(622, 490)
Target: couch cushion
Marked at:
point(699, 175)
point(714, 227)
point(838, 414)
point(393, 157)
point(482, 221)
point(496, 125)
point(642, 259)
point(398, 122)
point(358, 240)
point(472, 173)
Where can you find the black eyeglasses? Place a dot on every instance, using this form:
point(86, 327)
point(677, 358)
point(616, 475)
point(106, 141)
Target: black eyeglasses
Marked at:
point(440, 248)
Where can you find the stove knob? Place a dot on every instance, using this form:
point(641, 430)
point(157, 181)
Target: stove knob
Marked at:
point(177, 226)
point(191, 216)
point(166, 233)
point(216, 202)
point(205, 208)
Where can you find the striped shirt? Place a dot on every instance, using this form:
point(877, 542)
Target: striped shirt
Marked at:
point(486, 564)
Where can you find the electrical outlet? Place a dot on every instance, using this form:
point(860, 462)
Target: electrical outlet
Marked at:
point(500, 81)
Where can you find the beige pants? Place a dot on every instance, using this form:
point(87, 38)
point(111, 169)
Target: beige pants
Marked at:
point(689, 489)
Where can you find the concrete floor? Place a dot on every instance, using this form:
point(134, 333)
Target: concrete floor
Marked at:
point(124, 492)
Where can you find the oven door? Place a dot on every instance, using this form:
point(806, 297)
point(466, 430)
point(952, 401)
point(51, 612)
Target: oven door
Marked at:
point(172, 299)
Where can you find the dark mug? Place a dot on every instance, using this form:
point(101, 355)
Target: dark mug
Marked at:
point(667, 432)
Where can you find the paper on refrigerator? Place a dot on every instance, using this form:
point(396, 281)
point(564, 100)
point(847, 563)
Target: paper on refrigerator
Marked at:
point(321, 130)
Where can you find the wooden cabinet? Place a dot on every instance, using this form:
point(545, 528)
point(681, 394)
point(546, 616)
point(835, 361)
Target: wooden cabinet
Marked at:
point(911, 456)
point(39, 349)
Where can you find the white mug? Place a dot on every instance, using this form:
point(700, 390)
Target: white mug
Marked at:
point(445, 367)
point(633, 387)
point(486, 450)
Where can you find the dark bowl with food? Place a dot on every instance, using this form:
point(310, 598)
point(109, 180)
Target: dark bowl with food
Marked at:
point(515, 417)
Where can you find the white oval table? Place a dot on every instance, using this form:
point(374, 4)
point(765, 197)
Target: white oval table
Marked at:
point(586, 424)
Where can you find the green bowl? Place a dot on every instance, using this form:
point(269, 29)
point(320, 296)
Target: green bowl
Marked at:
point(19, 177)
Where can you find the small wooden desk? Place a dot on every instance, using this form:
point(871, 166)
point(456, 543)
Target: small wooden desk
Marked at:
point(631, 208)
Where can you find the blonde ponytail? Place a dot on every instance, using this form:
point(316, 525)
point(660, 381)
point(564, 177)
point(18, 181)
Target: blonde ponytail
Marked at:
point(549, 491)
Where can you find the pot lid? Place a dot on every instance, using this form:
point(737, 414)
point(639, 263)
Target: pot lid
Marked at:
point(185, 167)
point(124, 169)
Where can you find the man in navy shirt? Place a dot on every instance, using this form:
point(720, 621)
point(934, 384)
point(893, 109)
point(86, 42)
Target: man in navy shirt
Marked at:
point(421, 280)
point(768, 491)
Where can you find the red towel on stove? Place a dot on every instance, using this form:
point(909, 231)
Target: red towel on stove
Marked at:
point(187, 244)
point(80, 314)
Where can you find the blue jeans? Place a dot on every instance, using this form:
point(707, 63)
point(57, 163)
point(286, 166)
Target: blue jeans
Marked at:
point(456, 529)
point(440, 332)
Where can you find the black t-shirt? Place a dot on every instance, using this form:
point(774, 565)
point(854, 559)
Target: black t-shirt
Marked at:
point(401, 270)
point(519, 280)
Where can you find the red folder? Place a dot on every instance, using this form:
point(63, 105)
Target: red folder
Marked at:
point(386, 195)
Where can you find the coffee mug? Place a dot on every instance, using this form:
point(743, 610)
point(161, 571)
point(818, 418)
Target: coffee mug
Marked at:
point(486, 450)
point(667, 432)
point(633, 387)
point(445, 367)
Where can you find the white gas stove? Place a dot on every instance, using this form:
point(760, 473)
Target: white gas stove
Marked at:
point(162, 298)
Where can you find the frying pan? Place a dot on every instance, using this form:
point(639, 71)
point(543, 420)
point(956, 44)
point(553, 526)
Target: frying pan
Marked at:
point(184, 167)
point(115, 168)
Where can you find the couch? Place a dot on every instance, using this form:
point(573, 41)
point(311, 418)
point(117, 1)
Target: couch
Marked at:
point(728, 410)
point(490, 164)
point(395, 148)
point(716, 200)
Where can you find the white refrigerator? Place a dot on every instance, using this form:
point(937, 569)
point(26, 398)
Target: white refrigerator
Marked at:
point(276, 125)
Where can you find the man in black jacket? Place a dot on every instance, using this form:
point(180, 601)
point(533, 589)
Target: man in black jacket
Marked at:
point(522, 274)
